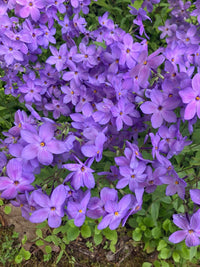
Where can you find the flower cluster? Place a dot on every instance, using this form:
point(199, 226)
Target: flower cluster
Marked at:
point(108, 96)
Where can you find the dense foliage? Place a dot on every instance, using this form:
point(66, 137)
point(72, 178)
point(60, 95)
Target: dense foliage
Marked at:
point(109, 115)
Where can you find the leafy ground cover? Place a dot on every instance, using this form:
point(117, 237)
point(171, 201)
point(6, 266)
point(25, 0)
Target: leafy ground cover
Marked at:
point(105, 103)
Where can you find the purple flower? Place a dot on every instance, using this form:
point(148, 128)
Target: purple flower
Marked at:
point(77, 210)
point(42, 145)
point(191, 97)
point(122, 111)
point(161, 108)
point(115, 212)
point(31, 7)
point(59, 57)
point(81, 174)
point(195, 196)
point(96, 206)
point(190, 229)
point(51, 207)
point(175, 185)
point(17, 181)
point(96, 150)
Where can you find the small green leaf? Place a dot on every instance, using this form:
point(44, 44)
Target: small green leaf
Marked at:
point(112, 246)
point(193, 251)
point(48, 249)
point(136, 235)
point(59, 256)
point(27, 255)
point(39, 233)
point(176, 256)
point(24, 239)
point(39, 243)
point(110, 234)
point(7, 209)
point(156, 232)
point(57, 230)
point(165, 253)
point(162, 244)
point(164, 264)
point(149, 221)
point(1, 202)
point(146, 264)
point(156, 263)
point(97, 231)
point(155, 206)
point(98, 239)
point(86, 231)
point(72, 233)
point(18, 259)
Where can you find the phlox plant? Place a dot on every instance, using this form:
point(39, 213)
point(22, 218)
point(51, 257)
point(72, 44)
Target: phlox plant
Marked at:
point(89, 93)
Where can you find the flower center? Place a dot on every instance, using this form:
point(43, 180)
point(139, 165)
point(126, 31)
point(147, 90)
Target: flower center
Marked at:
point(197, 98)
point(30, 4)
point(160, 108)
point(132, 176)
point(191, 231)
point(53, 208)
point(42, 144)
point(176, 182)
point(80, 211)
point(82, 168)
point(116, 213)
point(16, 183)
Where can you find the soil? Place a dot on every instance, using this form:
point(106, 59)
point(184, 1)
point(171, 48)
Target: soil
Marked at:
point(128, 253)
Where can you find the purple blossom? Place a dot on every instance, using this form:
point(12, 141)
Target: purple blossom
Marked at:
point(115, 212)
point(52, 208)
point(17, 180)
point(42, 145)
point(77, 210)
point(191, 97)
point(190, 229)
point(81, 174)
point(160, 107)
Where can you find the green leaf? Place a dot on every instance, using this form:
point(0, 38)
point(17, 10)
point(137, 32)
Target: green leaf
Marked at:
point(24, 239)
point(166, 200)
point(96, 230)
point(59, 256)
point(110, 234)
point(25, 254)
point(73, 233)
point(39, 233)
point(86, 231)
point(162, 244)
point(57, 230)
point(42, 225)
point(165, 253)
point(156, 263)
point(98, 239)
point(176, 256)
point(7, 209)
point(56, 240)
point(156, 232)
point(1, 202)
point(147, 233)
point(146, 264)
point(48, 249)
point(39, 243)
point(149, 221)
point(164, 264)
point(193, 251)
point(136, 235)
point(155, 206)
point(18, 259)
point(112, 246)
